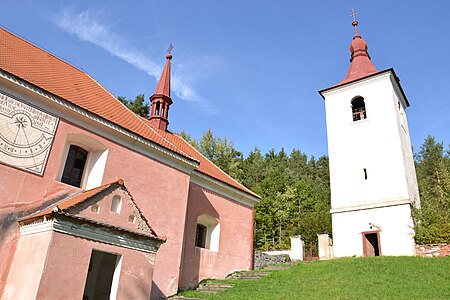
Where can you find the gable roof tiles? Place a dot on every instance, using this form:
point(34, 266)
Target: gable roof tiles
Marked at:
point(44, 70)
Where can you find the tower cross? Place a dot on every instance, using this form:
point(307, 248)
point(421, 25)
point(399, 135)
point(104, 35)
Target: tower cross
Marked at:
point(169, 50)
point(353, 14)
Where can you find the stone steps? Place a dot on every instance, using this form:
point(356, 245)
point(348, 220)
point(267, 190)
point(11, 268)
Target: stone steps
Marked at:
point(183, 298)
point(213, 288)
point(248, 275)
point(277, 267)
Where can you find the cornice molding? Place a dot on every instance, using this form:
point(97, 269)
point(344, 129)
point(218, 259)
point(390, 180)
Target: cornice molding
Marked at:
point(221, 188)
point(157, 149)
point(92, 232)
point(378, 204)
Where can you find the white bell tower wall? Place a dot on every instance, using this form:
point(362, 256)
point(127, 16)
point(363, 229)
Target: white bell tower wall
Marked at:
point(372, 173)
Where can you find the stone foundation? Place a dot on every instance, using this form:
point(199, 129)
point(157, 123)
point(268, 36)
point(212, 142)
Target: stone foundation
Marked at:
point(433, 250)
point(262, 259)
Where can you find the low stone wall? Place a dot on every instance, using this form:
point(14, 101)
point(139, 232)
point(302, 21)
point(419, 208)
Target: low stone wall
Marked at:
point(261, 259)
point(433, 250)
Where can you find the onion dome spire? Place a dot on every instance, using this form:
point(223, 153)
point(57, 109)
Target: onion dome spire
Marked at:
point(360, 62)
point(160, 100)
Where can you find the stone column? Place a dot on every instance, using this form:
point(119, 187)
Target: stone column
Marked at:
point(325, 247)
point(297, 248)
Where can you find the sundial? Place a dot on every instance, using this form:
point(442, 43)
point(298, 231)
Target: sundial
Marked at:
point(26, 134)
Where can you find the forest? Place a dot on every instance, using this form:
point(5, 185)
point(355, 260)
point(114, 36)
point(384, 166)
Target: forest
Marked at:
point(295, 188)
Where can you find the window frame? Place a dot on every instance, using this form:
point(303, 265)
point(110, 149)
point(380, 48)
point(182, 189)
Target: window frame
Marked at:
point(69, 179)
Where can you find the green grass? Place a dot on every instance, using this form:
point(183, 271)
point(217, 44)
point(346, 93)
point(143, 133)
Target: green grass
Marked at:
point(348, 278)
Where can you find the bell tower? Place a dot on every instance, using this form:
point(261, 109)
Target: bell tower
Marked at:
point(160, 100)
point(372, 175)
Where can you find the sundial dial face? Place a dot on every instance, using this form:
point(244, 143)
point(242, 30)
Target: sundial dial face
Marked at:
point(26, 134)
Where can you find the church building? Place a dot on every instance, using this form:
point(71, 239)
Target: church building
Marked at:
point(372, 174)
point(98, 202)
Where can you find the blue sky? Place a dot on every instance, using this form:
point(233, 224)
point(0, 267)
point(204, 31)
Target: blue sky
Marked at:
point(249, 70)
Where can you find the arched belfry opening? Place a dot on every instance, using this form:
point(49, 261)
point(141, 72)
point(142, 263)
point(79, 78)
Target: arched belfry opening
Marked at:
point(358, 108)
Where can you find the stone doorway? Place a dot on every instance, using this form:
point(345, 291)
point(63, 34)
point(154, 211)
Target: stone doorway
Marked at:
point(371, 243)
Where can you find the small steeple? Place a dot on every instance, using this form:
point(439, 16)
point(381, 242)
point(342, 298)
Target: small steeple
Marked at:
point(160, 100)
point(360, 63)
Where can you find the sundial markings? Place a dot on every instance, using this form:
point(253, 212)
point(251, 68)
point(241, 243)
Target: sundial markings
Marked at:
point(31, 150)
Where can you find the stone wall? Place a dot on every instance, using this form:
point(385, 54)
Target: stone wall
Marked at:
point(433, 250)
point(261, 259)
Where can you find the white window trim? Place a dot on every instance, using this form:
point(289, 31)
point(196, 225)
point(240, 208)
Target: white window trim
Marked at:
point(95, 162)
point(212, 232)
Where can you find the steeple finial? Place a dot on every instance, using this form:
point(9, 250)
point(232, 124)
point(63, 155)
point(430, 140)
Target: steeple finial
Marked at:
point(355, 22)
point(360, 63)
point(159, 113)
point(169, 51)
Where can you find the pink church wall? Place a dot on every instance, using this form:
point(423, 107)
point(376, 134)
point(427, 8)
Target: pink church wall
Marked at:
point(236, 242)
point(29, 260)
point(70, 256)
point(160, 191)
point(51, 265)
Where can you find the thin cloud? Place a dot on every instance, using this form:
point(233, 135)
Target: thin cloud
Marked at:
point(85, 26)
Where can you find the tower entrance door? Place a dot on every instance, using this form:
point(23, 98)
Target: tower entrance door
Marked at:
point(371, 243)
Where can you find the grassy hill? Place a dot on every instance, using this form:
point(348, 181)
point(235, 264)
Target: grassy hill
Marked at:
point(348, 278)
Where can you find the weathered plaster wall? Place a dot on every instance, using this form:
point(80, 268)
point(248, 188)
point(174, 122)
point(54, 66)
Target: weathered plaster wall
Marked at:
point(394, 223)
point(66, 269)
point(236, 228)
point(29, 261)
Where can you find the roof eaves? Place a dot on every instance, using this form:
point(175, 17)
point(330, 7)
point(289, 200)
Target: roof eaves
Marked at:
point(93, 116)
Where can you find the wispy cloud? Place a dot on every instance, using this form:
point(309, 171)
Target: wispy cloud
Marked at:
point(87, 28)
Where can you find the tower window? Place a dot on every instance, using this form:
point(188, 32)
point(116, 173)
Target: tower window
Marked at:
point(74, 167)
point(358, 109)
point(157, 108)
point(365, 173)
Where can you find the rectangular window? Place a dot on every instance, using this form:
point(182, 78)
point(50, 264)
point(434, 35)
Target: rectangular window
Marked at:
point(103, 276)
point(200, 236)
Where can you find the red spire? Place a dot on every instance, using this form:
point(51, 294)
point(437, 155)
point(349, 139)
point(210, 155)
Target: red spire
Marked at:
point(163, 87)
point(360, 63)
point(159, 114)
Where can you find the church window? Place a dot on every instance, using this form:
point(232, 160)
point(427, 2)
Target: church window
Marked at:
point(358, 109)
point(116, 204)
point(200, 236)
point(365, 173)
point(74, 166)
point(207, 233)
point(95, 208)
point(131, 219)
point(88, 152)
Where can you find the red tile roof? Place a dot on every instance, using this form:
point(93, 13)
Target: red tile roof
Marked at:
point(40, 68)
point(62, 206)
point(206, 166)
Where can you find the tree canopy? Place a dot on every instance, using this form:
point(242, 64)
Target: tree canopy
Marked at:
point(432, 219)
point(138, 105)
